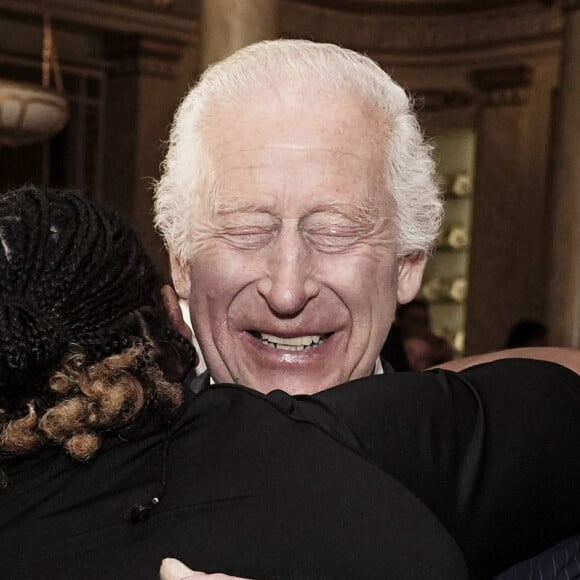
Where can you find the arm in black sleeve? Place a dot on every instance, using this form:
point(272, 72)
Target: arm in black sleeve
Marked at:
point(492, 451)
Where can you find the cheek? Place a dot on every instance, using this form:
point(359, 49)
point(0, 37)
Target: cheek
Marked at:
point(218, 274)
point(365, 281)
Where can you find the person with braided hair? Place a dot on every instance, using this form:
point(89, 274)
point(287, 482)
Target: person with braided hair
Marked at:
point(80, 311)
point(110, 464)
point(87, 358)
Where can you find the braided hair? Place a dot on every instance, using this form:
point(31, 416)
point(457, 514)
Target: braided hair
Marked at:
point(85, 346)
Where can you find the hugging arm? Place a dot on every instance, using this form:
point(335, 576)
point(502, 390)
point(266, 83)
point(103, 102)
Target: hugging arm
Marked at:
point(568, 357)
point(492, 451)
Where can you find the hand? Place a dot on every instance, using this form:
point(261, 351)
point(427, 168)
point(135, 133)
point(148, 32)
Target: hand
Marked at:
point(172, 569)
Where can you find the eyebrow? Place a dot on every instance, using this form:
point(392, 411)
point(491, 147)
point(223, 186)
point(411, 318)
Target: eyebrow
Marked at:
point(364, 214)
point(234, 204)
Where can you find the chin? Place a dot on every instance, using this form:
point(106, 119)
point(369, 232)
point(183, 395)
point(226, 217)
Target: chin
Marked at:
point(295, 386)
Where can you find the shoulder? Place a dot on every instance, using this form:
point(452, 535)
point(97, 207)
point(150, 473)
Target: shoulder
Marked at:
point(524, 375)
point(566, 357)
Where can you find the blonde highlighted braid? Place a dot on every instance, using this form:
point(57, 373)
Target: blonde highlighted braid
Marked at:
point(91, 399)
point(85, 347)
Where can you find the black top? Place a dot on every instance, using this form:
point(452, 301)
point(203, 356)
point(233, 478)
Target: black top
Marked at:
point(361, 481)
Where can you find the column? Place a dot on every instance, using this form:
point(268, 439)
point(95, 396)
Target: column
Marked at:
point(564, 296)
point(228, 25)
point(141, 99)
point(503, 277)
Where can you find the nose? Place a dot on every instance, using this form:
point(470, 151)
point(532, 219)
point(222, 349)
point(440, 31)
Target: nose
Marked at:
point(288, 283)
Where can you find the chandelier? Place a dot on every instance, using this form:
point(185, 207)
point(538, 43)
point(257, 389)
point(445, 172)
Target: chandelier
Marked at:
point(32, 113)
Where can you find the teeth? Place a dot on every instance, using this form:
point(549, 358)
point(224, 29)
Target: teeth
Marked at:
point(296, 343)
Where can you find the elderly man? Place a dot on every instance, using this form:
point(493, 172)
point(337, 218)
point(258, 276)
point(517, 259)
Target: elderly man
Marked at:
point(297, 209)
point(298, 205)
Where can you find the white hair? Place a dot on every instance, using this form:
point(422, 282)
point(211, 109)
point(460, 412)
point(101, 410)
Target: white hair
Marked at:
point(185, 184)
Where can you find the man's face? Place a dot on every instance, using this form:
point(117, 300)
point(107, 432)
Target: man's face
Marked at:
point(295, 281)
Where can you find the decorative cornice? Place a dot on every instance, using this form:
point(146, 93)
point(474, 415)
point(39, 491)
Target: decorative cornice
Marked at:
point(432, 100)
point(471, 57)
point(407, 34)
point(411, 7)
point(507, 85)
point(177, 23)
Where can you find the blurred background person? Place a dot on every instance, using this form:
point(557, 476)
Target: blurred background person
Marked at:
point(411, 343)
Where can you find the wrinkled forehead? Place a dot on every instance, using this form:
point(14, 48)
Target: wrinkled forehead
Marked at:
point(337, 120)
point(327, 142)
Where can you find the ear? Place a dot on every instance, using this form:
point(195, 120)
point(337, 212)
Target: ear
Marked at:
point(411, 270)
point(173, 310)
point(180, 276)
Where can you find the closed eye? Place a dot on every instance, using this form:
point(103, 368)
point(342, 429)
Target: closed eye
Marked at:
point(248, 237)
point(338, 229)
point(334, 238)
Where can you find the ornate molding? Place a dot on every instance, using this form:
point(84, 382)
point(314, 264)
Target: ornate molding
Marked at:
point(414, 7)
point(500, 86)
point(432, 100)
point(406, 34)
point(178, 23)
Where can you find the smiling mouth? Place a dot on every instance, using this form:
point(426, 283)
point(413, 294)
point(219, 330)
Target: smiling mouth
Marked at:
point(296, 343)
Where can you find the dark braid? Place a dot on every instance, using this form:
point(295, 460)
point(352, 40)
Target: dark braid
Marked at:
point(74, 279)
